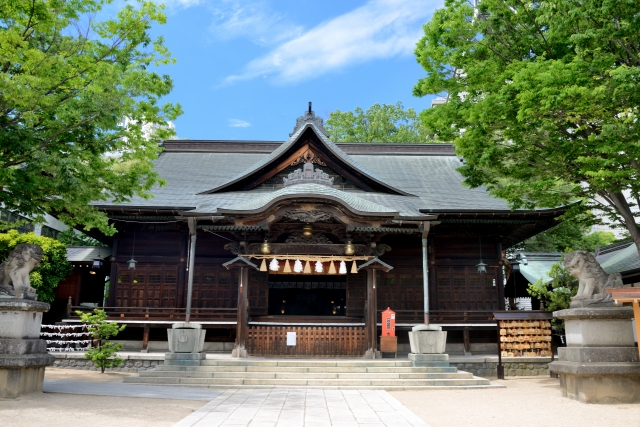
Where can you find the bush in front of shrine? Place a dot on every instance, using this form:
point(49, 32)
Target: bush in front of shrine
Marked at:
point(104, 355)
point(53, 267)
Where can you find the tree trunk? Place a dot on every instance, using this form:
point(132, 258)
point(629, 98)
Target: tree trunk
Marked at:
point(622, 206)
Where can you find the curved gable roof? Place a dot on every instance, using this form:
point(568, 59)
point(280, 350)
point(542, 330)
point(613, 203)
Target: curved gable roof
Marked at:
point(245, 179)
point(350, 200)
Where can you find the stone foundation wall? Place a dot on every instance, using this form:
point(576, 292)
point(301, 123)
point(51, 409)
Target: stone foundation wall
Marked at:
point(132, 363)
point(487, 366)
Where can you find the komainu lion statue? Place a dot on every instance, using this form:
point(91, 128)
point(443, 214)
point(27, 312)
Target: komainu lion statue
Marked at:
point(593, 280)
point(14, 271)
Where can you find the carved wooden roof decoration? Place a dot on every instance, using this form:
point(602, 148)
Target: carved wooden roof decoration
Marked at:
point(307, 143)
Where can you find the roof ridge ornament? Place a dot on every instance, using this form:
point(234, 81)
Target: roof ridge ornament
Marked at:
point(309, 117)
point(307, 175)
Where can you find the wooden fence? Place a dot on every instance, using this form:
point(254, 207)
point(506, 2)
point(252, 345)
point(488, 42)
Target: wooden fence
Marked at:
point(310, 341)
point(154, 313)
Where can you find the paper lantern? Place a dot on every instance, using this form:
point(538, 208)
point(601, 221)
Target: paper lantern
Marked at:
point(343, 267)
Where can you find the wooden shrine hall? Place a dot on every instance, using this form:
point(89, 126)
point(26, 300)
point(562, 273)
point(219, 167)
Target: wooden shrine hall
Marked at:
point(312, 237)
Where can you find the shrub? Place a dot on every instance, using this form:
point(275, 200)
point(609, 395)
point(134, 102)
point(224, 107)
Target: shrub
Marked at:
point(53, 268)
point(103, 355)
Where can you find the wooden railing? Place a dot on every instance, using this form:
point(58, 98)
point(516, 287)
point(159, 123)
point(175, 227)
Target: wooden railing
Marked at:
point(156, 313)
point(310, 341)
point(443, 316)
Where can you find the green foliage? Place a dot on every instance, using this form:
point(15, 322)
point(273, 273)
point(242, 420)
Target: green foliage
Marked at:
point(79, 107)
point(53, 268)
point(380, 123)
point(102, 355)
point(72, 238)
point(544, 100)
point(567, 237)
point(557, 295)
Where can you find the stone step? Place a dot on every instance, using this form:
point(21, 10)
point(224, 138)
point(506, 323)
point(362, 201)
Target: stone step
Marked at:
point(339, 387)
point(292, 363)
point(217, 382)
point(307, 375)
point(302, 369)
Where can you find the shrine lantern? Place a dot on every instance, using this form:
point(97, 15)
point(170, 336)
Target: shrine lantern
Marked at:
point(388, 323)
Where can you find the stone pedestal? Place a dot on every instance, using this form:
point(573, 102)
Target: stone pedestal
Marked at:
point(186, 338)
point(600, 363)
point(427, 339)
point(23, 356)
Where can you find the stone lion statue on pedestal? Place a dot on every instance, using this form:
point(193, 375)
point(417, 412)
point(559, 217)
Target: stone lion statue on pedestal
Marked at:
point(14, 271)
point(593, 280)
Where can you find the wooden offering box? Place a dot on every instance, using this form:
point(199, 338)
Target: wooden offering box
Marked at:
point(388, 344)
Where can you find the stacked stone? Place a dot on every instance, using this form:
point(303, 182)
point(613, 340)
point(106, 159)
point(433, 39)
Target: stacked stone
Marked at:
point(600, 362)
point(132, 365)
point(23, 356)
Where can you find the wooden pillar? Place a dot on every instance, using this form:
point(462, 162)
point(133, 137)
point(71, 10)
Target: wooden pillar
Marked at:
point(370, 321)
point(113, 280)
point(242, 266)
point(500, 279)
point(371, 326)
point(466, 340)
point(239, 349)
point(145, 338)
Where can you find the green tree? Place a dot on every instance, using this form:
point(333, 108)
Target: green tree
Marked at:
point(71, 237)
point(79, 107)
point(380, 123)
point(568, 237)
point(104, 355)
point(544, 100)
point(53, 268)
point(556, 295)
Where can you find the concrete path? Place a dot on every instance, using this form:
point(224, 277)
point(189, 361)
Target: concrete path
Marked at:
point(303, 407)
point(129, 390)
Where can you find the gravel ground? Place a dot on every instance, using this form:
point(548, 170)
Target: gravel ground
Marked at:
point(64, 410)
point(525, 402)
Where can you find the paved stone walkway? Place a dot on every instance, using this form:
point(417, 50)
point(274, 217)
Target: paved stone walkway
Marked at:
point(129, 390)
point(303, 407)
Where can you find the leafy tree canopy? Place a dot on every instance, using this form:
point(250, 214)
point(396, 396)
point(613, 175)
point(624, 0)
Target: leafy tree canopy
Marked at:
point(70, 237)
point(556, 295)
point(75, 95)
point(380, 123)
point(53, 268)
point(544, 100)
point(568, 237)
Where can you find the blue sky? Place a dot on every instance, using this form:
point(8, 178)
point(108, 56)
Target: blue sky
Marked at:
point(246, 69)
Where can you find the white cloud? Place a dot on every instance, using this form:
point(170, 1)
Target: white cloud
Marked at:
point(252, 20)
point(379, 29)
point(237, 123)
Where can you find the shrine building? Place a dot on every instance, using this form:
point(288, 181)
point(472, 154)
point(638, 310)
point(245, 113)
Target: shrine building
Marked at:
point(314, 237)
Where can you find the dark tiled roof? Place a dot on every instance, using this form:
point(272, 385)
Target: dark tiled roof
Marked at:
point(619, 258)
point(425, 171)
point(87, 253)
